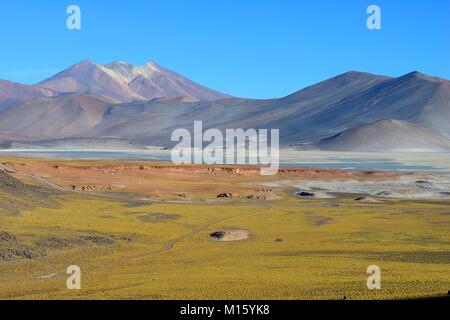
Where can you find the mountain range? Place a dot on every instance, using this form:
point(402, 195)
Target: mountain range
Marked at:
point(354, 111)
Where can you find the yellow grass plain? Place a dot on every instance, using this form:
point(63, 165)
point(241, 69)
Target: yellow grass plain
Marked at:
point(297, 249)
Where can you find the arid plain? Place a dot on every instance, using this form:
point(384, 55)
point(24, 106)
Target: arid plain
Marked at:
point(142, 230)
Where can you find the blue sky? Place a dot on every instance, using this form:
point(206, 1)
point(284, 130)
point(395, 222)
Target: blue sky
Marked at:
point(247, 48)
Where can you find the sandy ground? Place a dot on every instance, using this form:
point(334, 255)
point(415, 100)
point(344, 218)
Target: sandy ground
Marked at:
point(165, 181)
point(182, 183)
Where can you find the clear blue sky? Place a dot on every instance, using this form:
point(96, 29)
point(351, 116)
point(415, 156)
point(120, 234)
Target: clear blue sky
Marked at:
point(248, 48)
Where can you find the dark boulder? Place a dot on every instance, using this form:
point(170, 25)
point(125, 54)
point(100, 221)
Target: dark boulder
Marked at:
point(217, 235)
point(304, 194)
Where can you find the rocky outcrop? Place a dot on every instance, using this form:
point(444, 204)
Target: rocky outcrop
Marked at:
point(226, 195)
point(92, 188)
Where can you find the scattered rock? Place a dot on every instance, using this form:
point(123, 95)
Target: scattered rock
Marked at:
point(12, 250)
point(59, 243)
point(383, 193)
point(9, 254)
point(123, 238)
point(100, 240)
point(81, 241)
point(233, 171)
point(278, 240)
point(256, 197)
point(6, 237)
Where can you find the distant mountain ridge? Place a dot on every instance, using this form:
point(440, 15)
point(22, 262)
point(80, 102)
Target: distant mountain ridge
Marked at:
point(11, 92)
point(75, 144)
point(144, 104)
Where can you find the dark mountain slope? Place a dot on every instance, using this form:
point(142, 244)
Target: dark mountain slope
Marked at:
point(386, 135)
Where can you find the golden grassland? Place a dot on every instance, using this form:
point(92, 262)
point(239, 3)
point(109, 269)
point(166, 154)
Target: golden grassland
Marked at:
point(298, 249)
